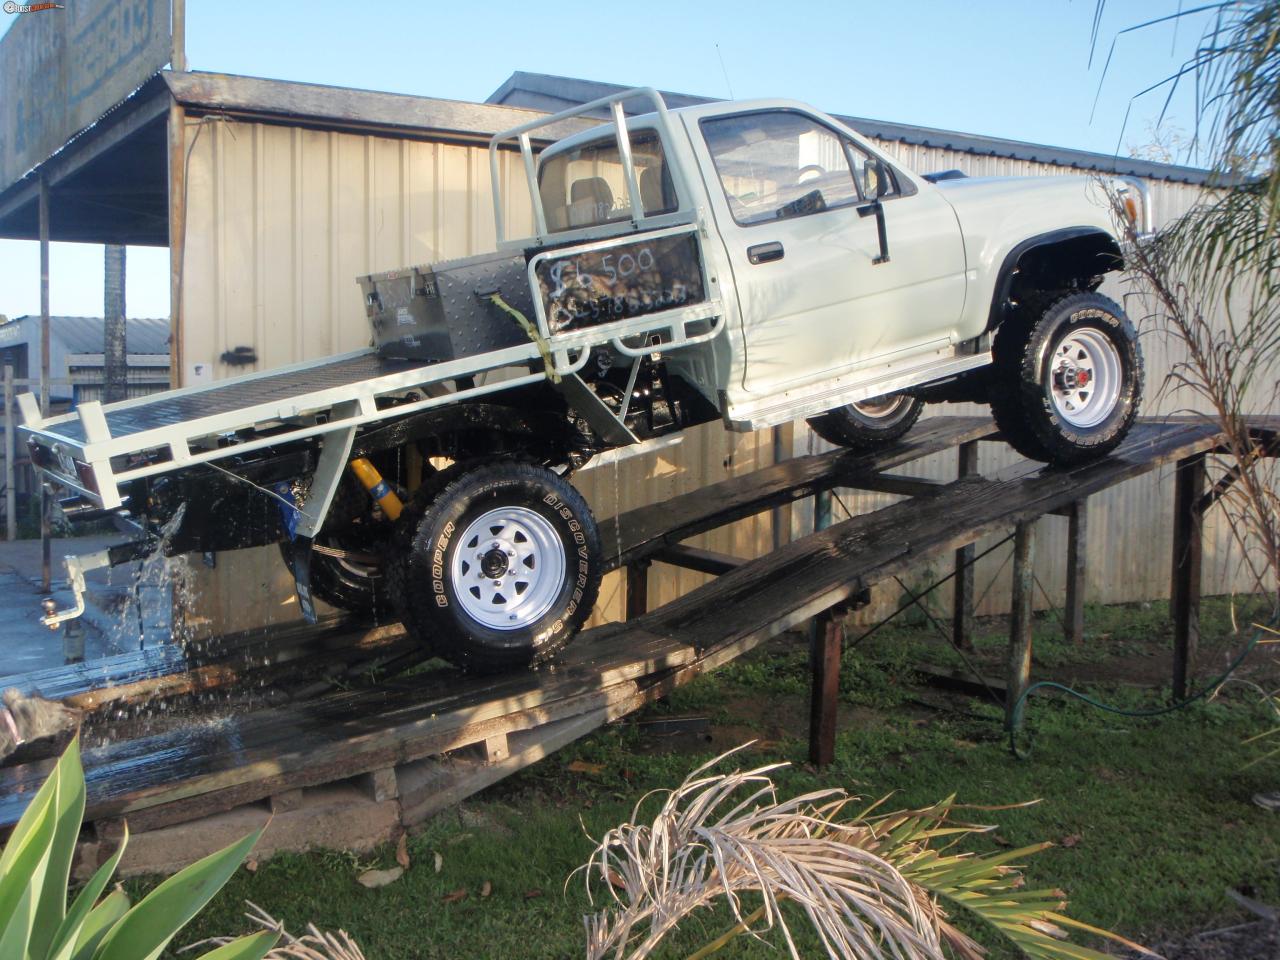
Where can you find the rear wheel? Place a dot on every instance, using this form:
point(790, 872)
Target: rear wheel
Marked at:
point(500, 567)
point(1068, 380)
point(868, 423)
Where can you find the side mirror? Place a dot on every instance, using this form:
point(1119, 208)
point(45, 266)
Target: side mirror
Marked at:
point(875, 179)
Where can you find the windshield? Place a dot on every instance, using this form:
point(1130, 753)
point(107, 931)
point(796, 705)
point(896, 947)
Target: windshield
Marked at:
point(587, 186)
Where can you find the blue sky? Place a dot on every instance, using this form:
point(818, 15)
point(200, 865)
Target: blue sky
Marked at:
point(996, 67)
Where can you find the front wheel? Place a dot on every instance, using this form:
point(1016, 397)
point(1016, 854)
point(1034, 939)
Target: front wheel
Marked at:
point(1067, 382)
point(868, 424)
point(500, 568)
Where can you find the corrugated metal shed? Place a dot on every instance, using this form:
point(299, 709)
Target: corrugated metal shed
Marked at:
point(75, 354)
point(541, 91)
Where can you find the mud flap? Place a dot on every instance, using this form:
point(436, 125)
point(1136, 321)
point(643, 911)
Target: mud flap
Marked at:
point(302, 576)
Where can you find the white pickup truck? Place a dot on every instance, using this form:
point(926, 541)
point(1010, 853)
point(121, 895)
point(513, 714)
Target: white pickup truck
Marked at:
point(748, 262)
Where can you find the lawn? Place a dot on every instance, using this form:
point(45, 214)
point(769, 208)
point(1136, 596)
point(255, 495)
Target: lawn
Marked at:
point(1151, 818)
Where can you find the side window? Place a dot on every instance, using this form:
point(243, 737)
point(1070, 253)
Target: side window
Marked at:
point(778, 165)
point(586, 186)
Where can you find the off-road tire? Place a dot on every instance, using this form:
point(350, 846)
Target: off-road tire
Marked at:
point(854, 426)
point(1026, 395)
point(432, 568)
point(356, 588)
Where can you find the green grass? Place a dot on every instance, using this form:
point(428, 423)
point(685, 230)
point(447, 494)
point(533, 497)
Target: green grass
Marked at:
point(1155, 814)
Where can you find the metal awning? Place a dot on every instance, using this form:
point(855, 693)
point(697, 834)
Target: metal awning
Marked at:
point(109, 184)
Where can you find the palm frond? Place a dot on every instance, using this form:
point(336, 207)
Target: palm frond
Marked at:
point(312, 945)
point(870, 885)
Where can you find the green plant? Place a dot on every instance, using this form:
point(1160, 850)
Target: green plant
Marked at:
point(870, 885)
point(35, 867)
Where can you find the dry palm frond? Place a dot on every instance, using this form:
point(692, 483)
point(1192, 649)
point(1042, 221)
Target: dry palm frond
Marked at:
point(313, 945)
point(869, 885)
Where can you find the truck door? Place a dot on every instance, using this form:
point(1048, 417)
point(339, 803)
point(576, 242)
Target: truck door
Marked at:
point(815, 297)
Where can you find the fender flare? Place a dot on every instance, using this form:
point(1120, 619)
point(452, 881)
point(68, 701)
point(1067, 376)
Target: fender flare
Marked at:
point(1009, 268)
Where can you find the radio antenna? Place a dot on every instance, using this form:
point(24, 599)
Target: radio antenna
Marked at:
point(725, 71)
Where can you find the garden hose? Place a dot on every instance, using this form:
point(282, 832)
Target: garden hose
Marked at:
point(544, 348)
point(1205, 691)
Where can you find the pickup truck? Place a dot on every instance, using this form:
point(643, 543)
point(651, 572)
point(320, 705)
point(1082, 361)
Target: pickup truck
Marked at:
point(747, 262)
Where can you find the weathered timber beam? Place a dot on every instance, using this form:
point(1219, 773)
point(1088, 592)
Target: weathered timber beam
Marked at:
point(1077, 570)
point(1018, 676)
point(698, 559)
point(1188, 553)
point(895, 484)
point(963, 594)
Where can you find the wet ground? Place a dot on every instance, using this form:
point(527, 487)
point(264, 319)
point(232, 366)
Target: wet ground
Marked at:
point(119, 617)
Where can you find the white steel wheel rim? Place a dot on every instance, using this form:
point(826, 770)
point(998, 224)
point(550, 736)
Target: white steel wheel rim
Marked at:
point(881, 408)
point(508, 568)
point(1085, 377)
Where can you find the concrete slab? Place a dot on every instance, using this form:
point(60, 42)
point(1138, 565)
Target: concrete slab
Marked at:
point(336, 817)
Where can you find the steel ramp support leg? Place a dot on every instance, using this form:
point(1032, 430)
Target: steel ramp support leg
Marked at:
point(1019, 663)
point(825, 692)
point(335, 452)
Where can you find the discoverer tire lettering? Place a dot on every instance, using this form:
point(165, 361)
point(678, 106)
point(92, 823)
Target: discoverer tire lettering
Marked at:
point(501, 565)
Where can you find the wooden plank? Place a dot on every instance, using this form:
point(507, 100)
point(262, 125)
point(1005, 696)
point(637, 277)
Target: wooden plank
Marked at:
point(609, 671)
point(1018, 670)
point(896, 484)
point(440, 783)
point(637, 599)
point(695, 558)
point(1188, 553)
point(1077, 570)
point(249, 757)
point(963, 596)
point(496, 748)
point(824, 696)
point(815, 573)
point(380, 784)
point(646, 530)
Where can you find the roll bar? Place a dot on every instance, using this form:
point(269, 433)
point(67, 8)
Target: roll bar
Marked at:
point(614, 104)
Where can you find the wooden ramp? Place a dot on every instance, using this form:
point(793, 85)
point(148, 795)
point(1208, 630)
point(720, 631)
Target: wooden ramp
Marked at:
point(430, 739)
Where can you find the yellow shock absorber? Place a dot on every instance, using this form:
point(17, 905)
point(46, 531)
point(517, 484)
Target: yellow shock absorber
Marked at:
point(378, 488)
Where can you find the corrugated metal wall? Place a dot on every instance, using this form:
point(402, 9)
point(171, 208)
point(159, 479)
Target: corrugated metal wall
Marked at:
point(280, 221)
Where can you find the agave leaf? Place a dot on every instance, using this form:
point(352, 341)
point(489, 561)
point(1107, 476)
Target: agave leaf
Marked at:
point(26, 862)
point(253, 946)
point(27, 822)
point(63, 943)
point(144, 932)
point(68, 811)
point(99, 923)
point(15, 937)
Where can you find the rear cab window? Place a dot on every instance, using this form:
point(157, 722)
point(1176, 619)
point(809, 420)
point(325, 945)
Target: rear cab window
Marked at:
point(586, 186)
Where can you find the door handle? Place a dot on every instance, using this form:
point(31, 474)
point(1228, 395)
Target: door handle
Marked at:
point(765, 252)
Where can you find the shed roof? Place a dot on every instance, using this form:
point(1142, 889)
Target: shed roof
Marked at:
point(110, 183)
point(542, 91)
point(83, 335)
